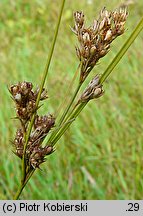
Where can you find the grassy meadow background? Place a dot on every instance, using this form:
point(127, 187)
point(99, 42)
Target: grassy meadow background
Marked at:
point(101, 155)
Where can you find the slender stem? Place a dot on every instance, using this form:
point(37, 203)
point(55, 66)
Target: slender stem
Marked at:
point(70, 104)
point(75, 106)
point(24, 180)
point(68, 107)
point(68, 123)
point(18, 192)
point(16, 197)
point(80, 83)
point(64, 115)
point(122, 51)
point(40, 91)
point(66, 96)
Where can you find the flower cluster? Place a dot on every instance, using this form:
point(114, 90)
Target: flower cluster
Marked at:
point(92, 91)
point(25, 101)
point(94, 41)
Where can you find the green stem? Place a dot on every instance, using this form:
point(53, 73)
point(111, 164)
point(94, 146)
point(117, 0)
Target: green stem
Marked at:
point(70, 104)
point(66, 97)
point(68, 123)
point(41, 88)
point(64, 115)
point(16, 197)
point(67, 108)
point(40, 91)
point(122, 51)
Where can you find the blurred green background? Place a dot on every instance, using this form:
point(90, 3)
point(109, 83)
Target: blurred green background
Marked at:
point(101, 155)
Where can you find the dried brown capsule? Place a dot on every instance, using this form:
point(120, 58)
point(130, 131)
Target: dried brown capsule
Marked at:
point(79, 22)
point(25, 99)
point(93, 90)
point(19, 143)
point(44, 122)
point(38, 155)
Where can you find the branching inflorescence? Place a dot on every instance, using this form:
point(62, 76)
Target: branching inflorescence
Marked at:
point(94, 43)
point(25, 102)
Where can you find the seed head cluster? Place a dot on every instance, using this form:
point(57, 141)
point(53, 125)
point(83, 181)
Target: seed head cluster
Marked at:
point(94, 41)
point(25, 102)
point(92, 91)
point(25, 99)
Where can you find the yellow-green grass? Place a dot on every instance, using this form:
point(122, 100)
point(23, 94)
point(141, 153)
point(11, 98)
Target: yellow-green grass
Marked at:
point(101, 155)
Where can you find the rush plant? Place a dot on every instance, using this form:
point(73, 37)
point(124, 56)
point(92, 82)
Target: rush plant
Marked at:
point(36, 136)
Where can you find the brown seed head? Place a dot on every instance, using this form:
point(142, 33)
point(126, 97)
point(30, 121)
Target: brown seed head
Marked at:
point(94, 41)
point(38, 155)
point(25, 99)
point(93, 90)
point(19, 143)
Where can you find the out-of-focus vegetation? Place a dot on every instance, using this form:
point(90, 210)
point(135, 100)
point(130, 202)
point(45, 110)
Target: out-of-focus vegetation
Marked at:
point(101, 155)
